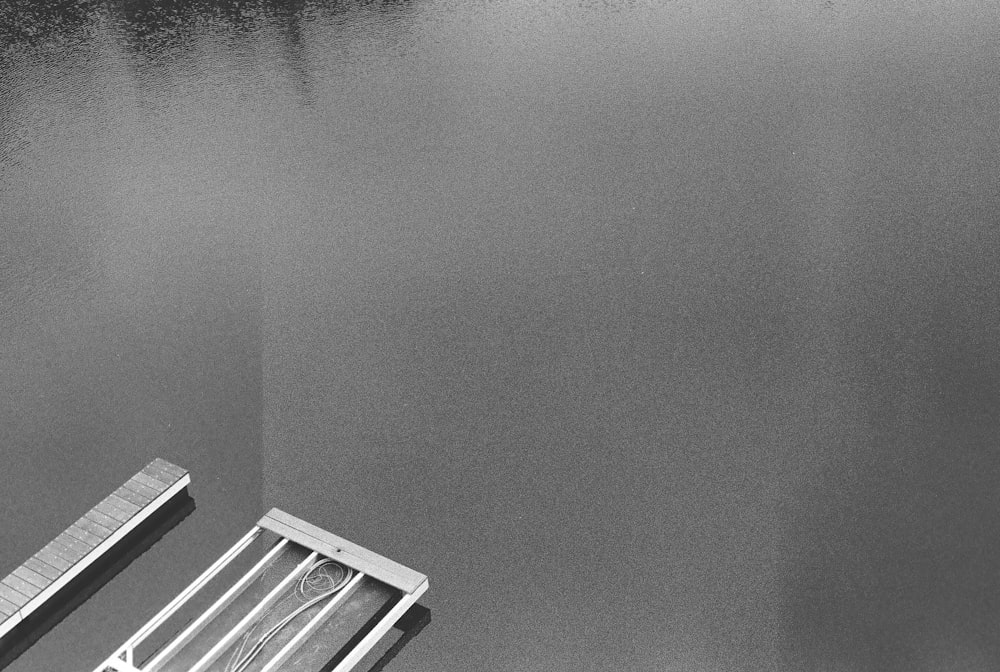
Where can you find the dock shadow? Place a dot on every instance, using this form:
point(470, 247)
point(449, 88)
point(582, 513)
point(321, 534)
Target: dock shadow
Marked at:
point(406, 628)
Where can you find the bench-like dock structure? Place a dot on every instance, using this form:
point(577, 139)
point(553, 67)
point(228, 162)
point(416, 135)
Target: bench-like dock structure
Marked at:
point(42, 579)
point(263, 622)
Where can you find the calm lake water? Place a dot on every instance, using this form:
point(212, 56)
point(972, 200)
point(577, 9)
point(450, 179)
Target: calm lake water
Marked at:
point(659, 335)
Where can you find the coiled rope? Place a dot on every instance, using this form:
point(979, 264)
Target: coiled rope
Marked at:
point(324, 578)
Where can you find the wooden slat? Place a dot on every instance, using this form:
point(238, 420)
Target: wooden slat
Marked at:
point(53, 559)
point(141, 488)
point(150, 482)
point(14, 596)
point(43, 568)
point(62, 551)
point(159, 480)
point(20, 585)
point(31, 577)
point(133, 497)
point(123, 505)
point(109, 509)
point(74, 544)
point(70, 555)
point(360, 558)
point(103, 519)
point(145, 493)
point(169, 467)
point(154, 470)
point(83, 535)
point(93, 527)
point(7, 607)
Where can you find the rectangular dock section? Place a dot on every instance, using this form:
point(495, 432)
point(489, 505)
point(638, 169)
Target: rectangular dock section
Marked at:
point(40, 578)
point(313, 601)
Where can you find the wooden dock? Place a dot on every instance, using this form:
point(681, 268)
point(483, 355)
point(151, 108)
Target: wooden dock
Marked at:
point(39, 581)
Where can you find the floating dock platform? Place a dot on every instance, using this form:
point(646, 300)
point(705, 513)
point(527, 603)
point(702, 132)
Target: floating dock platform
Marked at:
point(72, 566)
point(310, 601)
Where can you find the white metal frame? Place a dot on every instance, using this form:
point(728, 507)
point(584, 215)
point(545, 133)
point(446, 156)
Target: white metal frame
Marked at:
point(235, 590)
point(118, 664)
point(410, 584)
point(126, 652)
point(234, 633)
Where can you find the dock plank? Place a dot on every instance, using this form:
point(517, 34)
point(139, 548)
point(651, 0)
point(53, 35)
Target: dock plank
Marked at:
point(83, 535)
point(155, 471)
point(70, 554)
point(150, 481)
point(109, 510)
point(169, 467)
point(123, 505)
point(20, 585)
point(32, 577)
point(103, 520)
point(50, 557)
point(138, 486)
point(7, 608)
point(38, 566)
point(132, 497)
point(92, 527)
point(14, 596)
point(72, 542)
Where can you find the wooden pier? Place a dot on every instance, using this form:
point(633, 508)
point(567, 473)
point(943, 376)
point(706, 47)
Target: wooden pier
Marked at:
point(42, 580)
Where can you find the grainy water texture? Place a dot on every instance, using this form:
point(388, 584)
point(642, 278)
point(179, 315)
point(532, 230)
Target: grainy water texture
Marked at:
point(659, 335)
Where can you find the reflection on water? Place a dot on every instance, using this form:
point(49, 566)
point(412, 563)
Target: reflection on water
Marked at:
point(659, 335)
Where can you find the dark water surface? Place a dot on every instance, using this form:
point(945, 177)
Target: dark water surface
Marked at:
point(661, 336)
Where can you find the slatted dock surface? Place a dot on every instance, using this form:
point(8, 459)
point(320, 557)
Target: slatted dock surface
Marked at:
point(93, 534)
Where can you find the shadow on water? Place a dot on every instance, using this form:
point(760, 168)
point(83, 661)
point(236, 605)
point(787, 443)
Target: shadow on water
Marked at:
point(408, 626)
